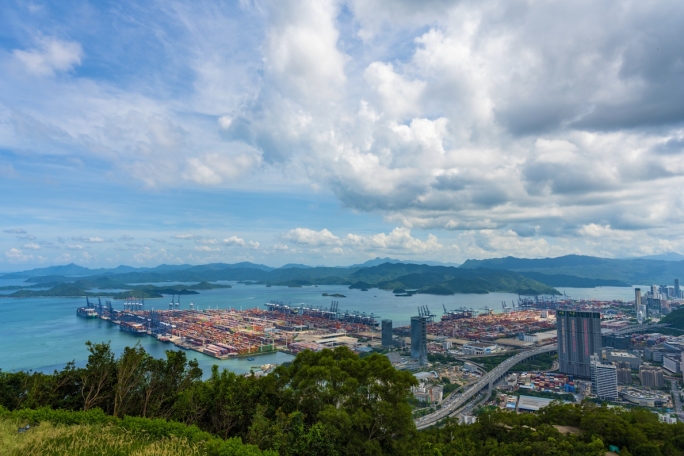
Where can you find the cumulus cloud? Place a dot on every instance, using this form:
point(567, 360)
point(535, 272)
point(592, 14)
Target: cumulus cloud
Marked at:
point(14, 255)
point(306, 236)
point(183, 236)
point(399, 240)
point(126, 238)
point(51, 56)
point(502, 123)
point(32, 246)
point(14, 231)
point(74, 247)
point(234, 240)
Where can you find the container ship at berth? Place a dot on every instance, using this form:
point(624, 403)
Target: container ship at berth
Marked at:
point(88, 311)
point(133, 328)
point(457, 314)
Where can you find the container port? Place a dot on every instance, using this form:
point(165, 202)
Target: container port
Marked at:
point(226, 333)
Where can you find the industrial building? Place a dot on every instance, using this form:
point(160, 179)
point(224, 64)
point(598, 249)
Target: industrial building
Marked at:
point(612, 356)
point(479, 348)
point(579, 337)
point(419, 339)
point(672, 363)
point(621, 342)
point(603, 379)
point(386, 333)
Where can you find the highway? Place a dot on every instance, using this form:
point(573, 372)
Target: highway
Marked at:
point(455, 401)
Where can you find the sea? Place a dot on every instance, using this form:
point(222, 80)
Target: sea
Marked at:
point(43, 334)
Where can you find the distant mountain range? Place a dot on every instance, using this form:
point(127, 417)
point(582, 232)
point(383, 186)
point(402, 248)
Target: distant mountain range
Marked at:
point(510, 274)
point(74, 280)
point(627, 271)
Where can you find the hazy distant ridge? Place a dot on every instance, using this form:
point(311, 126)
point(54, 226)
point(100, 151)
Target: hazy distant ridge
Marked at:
point(629, 271)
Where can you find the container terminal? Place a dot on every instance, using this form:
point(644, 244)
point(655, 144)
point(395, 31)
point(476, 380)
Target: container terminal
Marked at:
point(226, 333)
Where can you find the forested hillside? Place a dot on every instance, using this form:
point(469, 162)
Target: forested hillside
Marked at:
point(326, 403)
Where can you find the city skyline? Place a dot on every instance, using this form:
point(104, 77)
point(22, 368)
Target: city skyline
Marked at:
point(334, 132)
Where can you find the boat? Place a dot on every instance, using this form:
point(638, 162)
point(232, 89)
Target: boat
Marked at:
point(250, 359)
point(86, 312)
point(133, 328)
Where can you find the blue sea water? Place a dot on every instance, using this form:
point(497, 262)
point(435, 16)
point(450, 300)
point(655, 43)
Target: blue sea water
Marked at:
point(43, 334)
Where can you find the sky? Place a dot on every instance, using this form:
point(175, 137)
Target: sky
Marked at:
point(331, 132)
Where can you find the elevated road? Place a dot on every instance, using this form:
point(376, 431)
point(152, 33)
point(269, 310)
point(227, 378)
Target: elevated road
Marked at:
point(638, 328)
point(454, 402)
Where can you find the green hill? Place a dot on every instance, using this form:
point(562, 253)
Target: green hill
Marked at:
point(674, 318)
point(445, 280)
point(330, 402)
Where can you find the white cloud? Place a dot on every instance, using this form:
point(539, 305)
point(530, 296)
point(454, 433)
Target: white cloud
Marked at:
point(183, 236)
point(32, 246)
point(74, 247)
point(301, 52)
point(14, 255)
point(215, 168)
point(91, 240)
point(306, 236)
point(206, 248)
point(126, 238)
point(51, 56)
point(234, 240)
point(399, 240)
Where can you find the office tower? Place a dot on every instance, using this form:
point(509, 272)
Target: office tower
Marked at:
point(654, 291)
point(603, 379)
point(637, 300)
point(419, 339)
point(663, 291)
point(386, 333)
point(579, 337)
point(677, 293)
point(642, 314)
point(651, 376)
point(624, 373)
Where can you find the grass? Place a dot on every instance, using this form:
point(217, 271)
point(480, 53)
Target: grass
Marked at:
point(86, 440)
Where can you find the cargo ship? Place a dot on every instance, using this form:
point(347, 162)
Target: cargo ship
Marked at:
point(86, 312)
point(457, 314)
point(133, 328)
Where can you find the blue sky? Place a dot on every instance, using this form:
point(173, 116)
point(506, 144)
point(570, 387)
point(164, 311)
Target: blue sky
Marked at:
point(331, 132)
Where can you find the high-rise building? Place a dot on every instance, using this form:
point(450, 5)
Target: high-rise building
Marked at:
point(419, 339)
point(624, 373)
point(654, 291)
point(651, 376)
point(677, 292)
point(386, 333)
point(579, 337)
point(637, 300)
point(603, 379)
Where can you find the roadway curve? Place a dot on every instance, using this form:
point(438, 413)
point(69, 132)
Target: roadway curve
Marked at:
point(449, 405)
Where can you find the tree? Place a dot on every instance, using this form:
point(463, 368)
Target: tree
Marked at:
point(98, 377)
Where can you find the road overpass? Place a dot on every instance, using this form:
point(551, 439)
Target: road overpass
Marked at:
point(637, 328)
point(454, 401)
